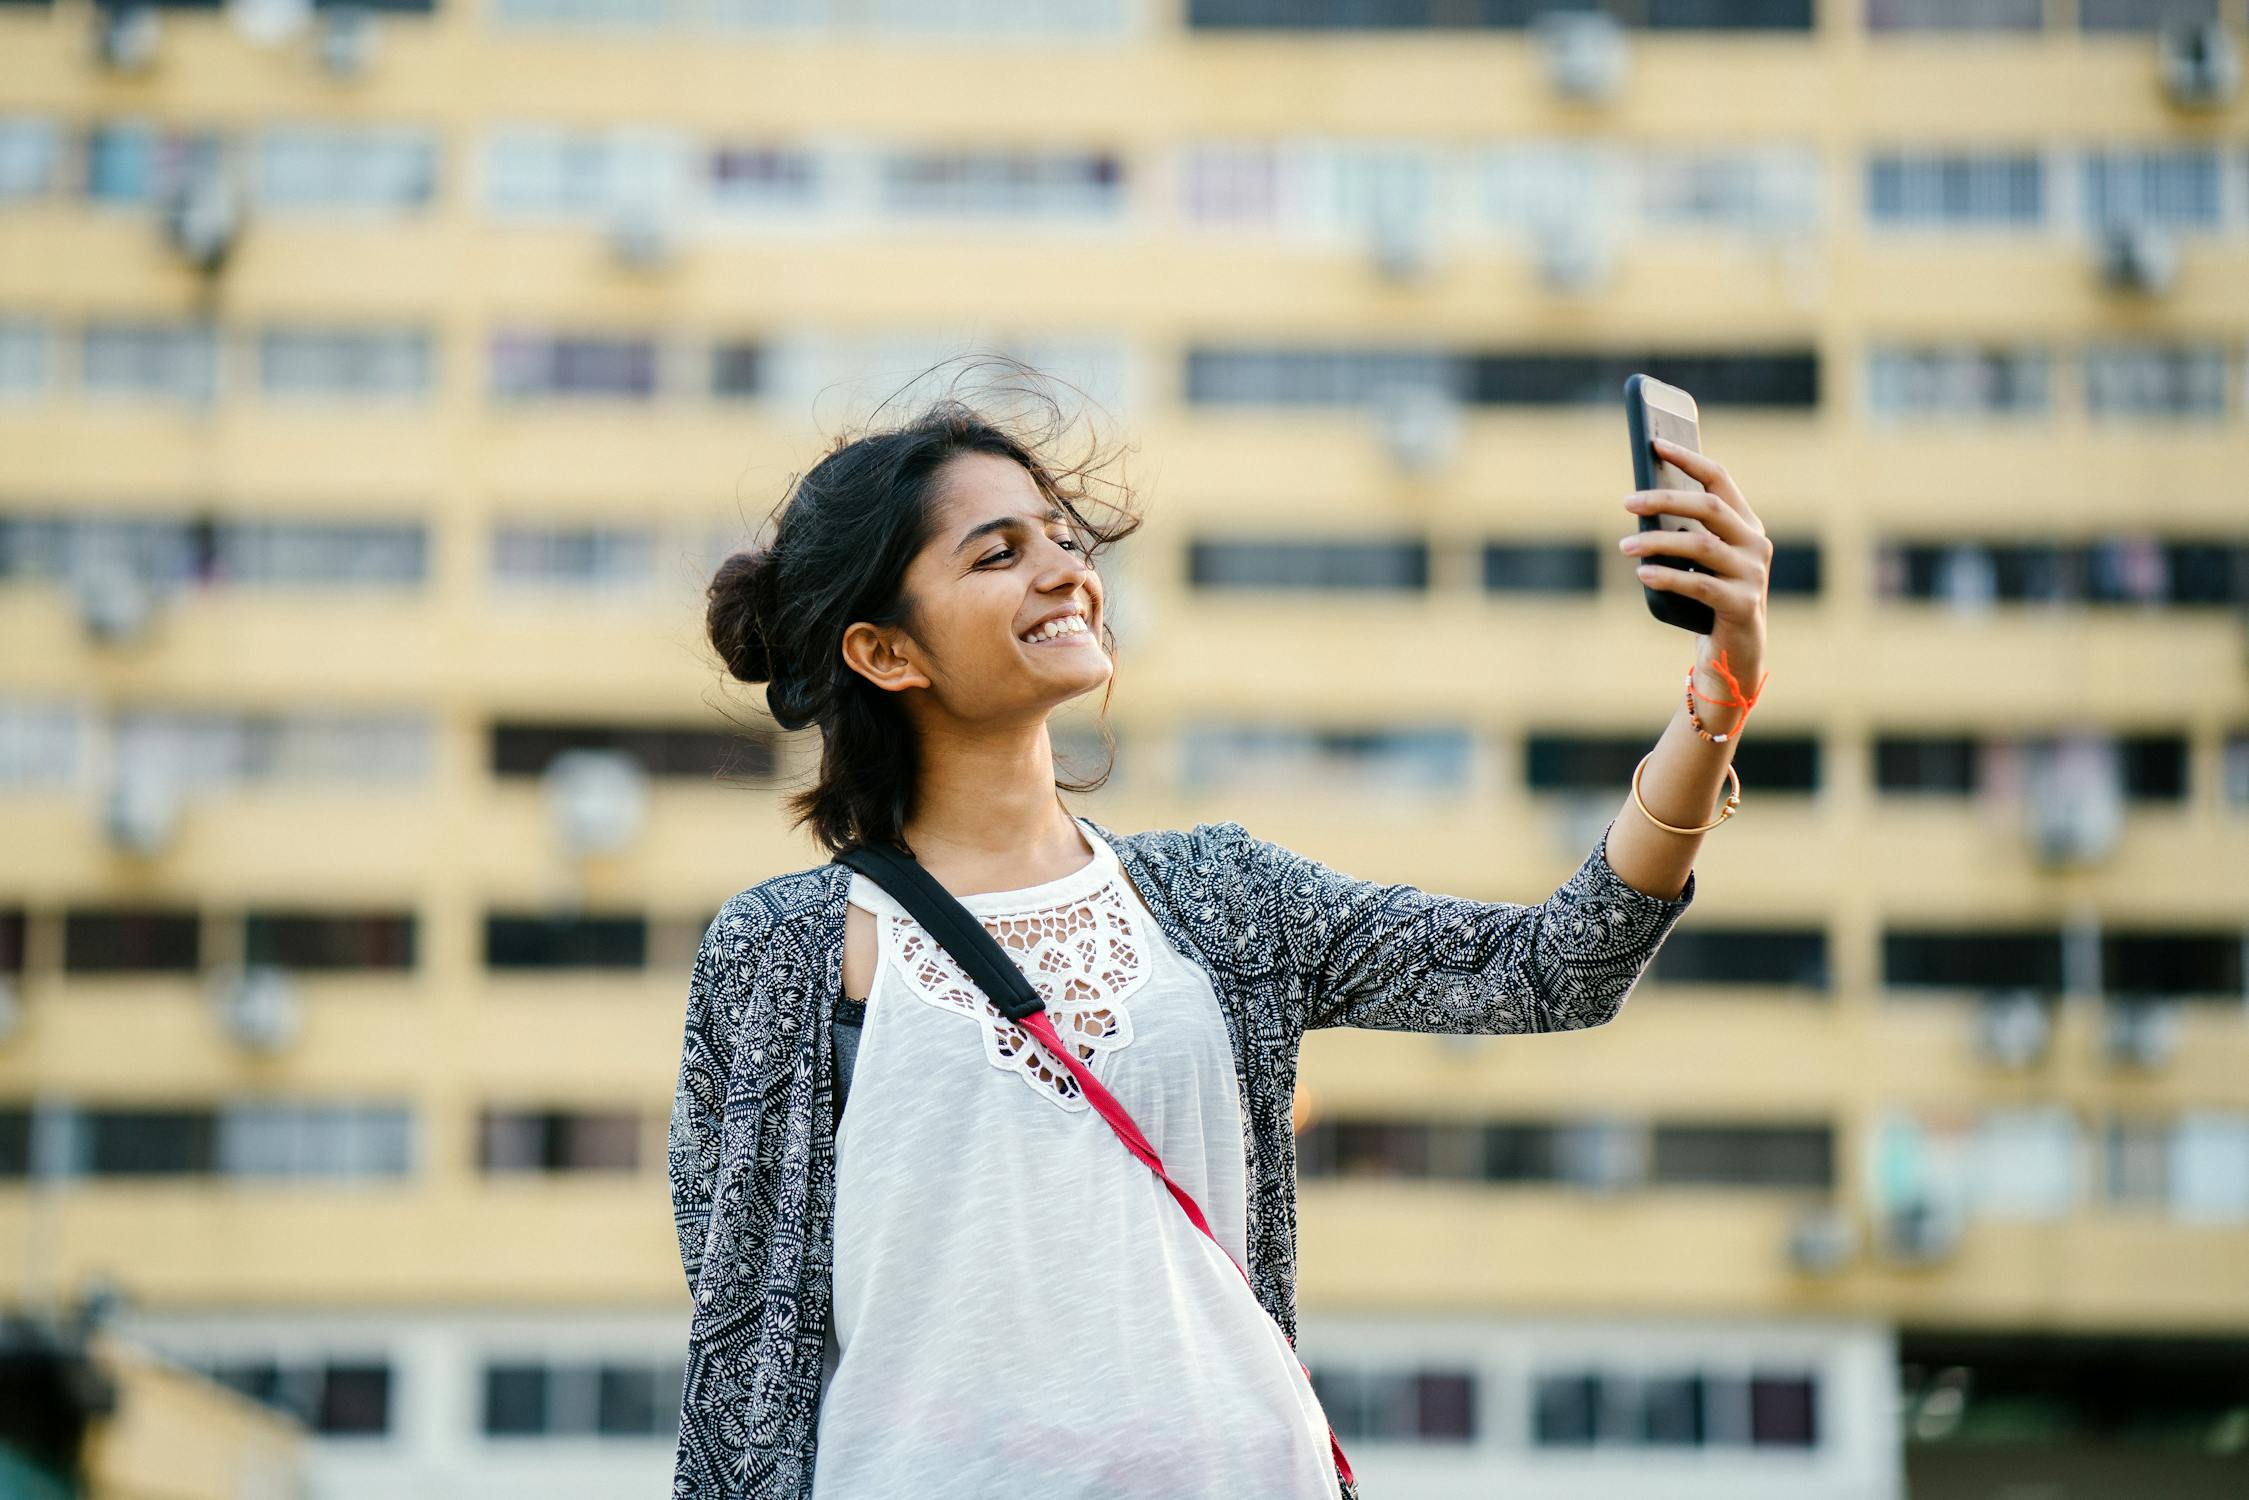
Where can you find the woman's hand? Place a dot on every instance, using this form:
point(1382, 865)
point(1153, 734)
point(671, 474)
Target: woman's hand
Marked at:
point(1732, 545)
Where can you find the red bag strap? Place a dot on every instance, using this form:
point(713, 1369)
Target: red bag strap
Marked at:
point(1128, 1132)
point(972, 945)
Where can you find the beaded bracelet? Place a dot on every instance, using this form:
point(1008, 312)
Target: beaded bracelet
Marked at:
point(1744, 702)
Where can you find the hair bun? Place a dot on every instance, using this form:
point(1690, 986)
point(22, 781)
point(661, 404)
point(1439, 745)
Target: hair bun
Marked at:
point(744, 596)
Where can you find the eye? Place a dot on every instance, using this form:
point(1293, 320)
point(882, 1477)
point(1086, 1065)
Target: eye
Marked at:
point(1070, 542)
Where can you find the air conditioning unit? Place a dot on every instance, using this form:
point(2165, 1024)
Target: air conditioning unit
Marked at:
point(2073, 800)
point(1587, 54)
point(645, 235)
point(2201, 63)
point(1404, 246)
point(2140, 1033)
point(142, 809)
point(116, 602)
point(1574, 257)
point(125, 37)
point(2138, 257)
point(257, 1006)
point(347, 40)
point(203, 216)
point(598, 800)
point(1822, 1240)
point(11, 1010)
point(1420, 425)
point(1920, 1231)
point(1606, 1155)
point(2012, 1028)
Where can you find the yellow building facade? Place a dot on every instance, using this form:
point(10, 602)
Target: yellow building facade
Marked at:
point(378, 389)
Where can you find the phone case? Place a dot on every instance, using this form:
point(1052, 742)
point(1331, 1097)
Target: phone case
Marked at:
point(1667, 605)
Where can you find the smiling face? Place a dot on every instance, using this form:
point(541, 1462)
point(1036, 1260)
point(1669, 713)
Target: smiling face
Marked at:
point(1003, 560)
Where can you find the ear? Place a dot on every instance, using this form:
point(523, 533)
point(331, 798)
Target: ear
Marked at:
point(875, 655)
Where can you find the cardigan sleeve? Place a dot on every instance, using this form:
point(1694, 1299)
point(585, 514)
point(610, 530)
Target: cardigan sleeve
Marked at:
point(1392, 957)
point(717, 989)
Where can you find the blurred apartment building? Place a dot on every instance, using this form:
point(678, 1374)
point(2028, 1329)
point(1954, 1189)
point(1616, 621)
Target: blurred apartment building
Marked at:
point(379, 385)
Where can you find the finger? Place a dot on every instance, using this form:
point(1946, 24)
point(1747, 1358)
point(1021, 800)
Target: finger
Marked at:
point(1719, 556)
point(1710, 473)
point(1710, 509)
point(1709, 588)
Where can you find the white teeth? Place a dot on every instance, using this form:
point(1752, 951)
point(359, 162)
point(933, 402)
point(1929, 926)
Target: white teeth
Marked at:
point(1066, 625)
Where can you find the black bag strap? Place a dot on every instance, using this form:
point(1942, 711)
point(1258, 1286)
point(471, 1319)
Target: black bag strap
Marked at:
point(953, 925)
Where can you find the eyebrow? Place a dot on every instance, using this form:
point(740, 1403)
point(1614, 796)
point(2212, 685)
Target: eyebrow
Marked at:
point(1005, 523)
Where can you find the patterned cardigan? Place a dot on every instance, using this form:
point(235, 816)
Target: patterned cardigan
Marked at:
point(1288, 944)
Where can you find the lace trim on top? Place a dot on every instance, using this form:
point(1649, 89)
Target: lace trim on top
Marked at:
point(1075, 938)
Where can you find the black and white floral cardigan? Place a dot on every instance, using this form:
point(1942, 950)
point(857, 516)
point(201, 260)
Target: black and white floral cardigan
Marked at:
point(1288, 944)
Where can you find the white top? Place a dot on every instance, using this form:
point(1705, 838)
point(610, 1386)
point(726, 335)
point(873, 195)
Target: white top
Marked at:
point(1021, 1307)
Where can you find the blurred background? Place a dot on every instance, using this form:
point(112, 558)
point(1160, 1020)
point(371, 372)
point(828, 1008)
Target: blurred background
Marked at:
point(379, 385)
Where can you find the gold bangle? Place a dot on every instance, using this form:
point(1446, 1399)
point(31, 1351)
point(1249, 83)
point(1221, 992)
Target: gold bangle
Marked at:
point(1733, 799)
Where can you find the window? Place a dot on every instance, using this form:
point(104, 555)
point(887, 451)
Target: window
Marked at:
point(541, 172)
point(338, 363)
point(615, 1398)
point(558, 1141)
point(30, 152)
point(333, 1399)
point(737, 370)
point(213, 749)
point(25, 360)
point(1955, 382)
point(43, 746)
point(1782, 379)
point(1397, 1405)
point(1001, 184)
point(2176, 187)
point(1956, 189)
point(2027, 1163)
point(1987, 959)
point(331, 1143)
point(148, 359)
point(1744, 956)
point(539, 365)
point(1552, 183)
point(131, 940)
point(1593, 763)
point(1945, 764)
point(1389, 759)
point(326, 168)
point(2142, 15)
point(143, 1142)
point(527, 749)
point(277, 554)
point(749, 182)
point(575, 557)
point(1314, 377)
point(1955, 15)
point(329, 942)
point(1542, 567)
point(134, 161)
point(2174, 963)
point(1761, 1156)
point(1386, 565)
point(1761, 190)
point(2155, 380)
point(565, 942)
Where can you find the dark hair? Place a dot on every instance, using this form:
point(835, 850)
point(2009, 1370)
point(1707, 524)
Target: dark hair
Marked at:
point(848, 528)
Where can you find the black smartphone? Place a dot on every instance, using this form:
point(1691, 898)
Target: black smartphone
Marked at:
point(1654, 409)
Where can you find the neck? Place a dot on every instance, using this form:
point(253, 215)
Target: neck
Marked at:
point(987, 812)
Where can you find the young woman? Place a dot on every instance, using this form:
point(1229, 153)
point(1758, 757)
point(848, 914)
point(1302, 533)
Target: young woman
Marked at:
point(972, 1288)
